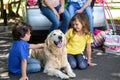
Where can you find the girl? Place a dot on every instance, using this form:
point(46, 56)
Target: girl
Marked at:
point(18, 61)
point(79, 38)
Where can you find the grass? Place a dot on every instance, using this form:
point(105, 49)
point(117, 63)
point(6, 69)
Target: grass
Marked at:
point(116, 19)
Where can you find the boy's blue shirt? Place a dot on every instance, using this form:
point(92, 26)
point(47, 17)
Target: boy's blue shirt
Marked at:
point(18, 51)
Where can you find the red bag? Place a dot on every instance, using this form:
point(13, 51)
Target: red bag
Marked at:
point(96, 31)
point(31, 3)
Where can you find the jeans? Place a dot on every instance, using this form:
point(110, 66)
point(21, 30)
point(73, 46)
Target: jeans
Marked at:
point(33, 65)
point(77, 61)
point(54, 19)
point(74, 6)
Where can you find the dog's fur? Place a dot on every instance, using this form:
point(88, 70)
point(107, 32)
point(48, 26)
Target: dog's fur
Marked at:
point(54, 56)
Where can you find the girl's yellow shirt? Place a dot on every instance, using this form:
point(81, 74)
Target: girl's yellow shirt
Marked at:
point(76, 44)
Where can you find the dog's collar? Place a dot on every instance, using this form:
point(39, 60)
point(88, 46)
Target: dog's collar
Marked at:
point(51, 52)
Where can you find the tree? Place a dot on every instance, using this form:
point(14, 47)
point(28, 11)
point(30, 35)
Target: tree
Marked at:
point(10, 8)
point(1, 8)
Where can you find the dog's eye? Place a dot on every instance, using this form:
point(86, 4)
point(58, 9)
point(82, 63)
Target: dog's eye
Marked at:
point(54, 34)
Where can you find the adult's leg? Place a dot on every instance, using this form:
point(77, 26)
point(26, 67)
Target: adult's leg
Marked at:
point(82, 62)
point(72, 61)
point(33, 65)
point(51, 16)
point(72, 7)
point(65, 21)
point(89, 12)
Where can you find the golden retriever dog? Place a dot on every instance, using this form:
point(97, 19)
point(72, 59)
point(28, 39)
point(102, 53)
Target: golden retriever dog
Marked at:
point(54, 56)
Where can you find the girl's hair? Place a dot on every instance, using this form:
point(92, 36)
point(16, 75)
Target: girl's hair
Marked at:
point(83, 19)
point(19, 30)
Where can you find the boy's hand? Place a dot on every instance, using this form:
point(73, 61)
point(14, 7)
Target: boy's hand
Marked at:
point(24, 78)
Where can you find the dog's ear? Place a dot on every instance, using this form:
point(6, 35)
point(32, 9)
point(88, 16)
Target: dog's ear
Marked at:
point(47, 41)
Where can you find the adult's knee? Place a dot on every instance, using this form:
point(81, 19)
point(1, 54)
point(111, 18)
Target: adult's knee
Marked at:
point(67, 18)
point(56, 23)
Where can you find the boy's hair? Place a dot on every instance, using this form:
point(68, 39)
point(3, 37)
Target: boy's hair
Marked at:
point(83, 20)
point(20, 29)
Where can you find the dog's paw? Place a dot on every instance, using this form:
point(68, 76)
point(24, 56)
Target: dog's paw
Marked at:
point(64, 76)
point(72, 74)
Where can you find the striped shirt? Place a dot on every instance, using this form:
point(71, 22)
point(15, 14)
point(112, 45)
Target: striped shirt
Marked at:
point(81, 2)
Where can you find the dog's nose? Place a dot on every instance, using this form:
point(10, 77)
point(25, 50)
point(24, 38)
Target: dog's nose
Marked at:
point(60, 37)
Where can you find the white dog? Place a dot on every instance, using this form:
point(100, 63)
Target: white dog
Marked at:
point(54, 56)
